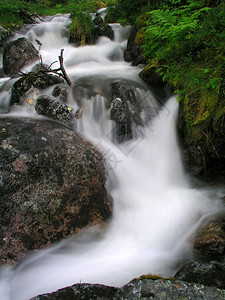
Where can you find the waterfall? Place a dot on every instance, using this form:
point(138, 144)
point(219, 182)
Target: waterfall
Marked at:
point(156, 208)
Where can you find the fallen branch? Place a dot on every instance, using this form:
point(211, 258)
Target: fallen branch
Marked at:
point(63, 73)
point(78, 113)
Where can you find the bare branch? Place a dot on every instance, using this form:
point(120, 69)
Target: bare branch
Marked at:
point(65, 76)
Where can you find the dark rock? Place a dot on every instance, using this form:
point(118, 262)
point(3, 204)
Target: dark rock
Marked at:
point(210, 274)
point(201, 131)
point(17, 54)
point(39, 67)
point(99, 31)
point(40, 80)
point(98, 21)
point(4, 36)
point(125, 111)
point(133, 53)
point(210, 242)
point(61, 92)
point(2, 73)
point(194, 159)
point(164, 289)
point(52, 184)
point(82, 292)
point(144, 288)
point(107, 31)
point(27, 18)
point(149, 75)
point(52, 108)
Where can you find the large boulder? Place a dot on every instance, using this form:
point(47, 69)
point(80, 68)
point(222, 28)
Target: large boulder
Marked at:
point(52, 184)
point(143, 288)
point(17, 54)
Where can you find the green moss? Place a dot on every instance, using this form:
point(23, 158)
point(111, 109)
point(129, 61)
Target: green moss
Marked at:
point(148, 276)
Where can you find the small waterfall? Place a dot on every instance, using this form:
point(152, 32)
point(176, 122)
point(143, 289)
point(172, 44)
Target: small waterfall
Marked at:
point(156, 209)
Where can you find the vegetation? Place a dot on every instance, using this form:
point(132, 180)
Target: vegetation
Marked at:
point(187, 46)
point(9, 10)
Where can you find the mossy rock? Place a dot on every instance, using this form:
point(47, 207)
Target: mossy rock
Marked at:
point(201, 127)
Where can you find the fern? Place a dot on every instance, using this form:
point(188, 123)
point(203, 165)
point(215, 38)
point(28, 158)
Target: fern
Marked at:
point(168, 31)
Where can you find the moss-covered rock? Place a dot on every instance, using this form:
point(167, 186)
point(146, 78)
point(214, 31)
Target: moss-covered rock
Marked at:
point(201, 127)
point(85, 31)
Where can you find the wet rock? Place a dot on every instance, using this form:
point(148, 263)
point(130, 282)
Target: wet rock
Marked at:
point(52, 108)
point(17, 54)
point(145, 288)
point(210, 274)
point(202, 135)
point(164, 289)
point(4, 35)
point(28, 82)
point(124, 111)
point(82, 291)
point(210, 242)
point(133, 53)
point(99, 31)
point(39, 67)
point(52, 184)
point(61, 92)
point(2, 73)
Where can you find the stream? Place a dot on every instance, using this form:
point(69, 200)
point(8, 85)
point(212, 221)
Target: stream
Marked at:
point(157, 208)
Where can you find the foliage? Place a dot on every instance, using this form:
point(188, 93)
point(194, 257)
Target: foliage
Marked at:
point(81, 27)
point(188, 46)
point(9, 15)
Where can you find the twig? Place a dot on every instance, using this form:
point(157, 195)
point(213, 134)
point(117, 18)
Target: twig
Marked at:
point(49, 67)
point(39, 44)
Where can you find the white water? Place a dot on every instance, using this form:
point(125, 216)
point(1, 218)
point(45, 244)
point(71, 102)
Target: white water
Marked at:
point(156, 210)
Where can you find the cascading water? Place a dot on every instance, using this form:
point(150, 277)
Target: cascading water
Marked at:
point(156, 210)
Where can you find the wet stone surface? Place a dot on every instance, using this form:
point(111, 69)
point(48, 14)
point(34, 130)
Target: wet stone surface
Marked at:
point(52, 184)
